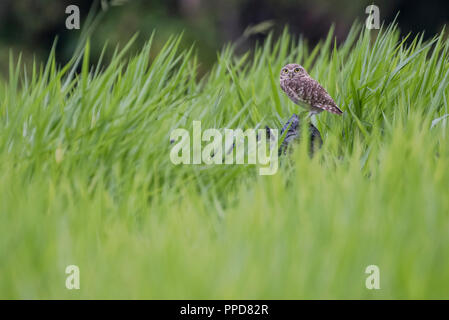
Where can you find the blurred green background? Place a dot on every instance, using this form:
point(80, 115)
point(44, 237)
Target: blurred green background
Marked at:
point(30, 26)
point(86, 177)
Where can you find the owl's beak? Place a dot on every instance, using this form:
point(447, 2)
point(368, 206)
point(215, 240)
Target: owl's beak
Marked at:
point(290, 75)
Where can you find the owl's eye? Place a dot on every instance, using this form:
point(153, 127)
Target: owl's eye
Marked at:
point(285, 71)
point(297, 70)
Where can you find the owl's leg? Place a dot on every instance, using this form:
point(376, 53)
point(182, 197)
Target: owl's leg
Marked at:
point(311, 117)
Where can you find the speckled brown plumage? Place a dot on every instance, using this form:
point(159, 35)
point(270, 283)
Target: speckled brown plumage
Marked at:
point(303, 90)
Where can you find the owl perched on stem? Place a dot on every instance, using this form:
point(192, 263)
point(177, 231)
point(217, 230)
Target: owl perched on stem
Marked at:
point(303, 90)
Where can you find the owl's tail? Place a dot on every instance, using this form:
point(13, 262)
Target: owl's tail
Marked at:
point(332, 108)
point(337, 110)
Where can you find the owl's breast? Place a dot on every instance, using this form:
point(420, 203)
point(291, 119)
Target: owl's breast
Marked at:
point(295, 90)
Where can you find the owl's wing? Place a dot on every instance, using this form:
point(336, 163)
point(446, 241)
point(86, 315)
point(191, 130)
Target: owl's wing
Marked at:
point(318, 97)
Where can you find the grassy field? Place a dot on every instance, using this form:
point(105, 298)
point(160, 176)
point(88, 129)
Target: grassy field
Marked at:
point(86, 177)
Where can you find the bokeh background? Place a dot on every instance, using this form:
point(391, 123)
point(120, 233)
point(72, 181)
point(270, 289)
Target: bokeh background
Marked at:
point(86, 177)
point(30, 26)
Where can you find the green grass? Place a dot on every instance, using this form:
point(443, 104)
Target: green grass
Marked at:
point(86, 178)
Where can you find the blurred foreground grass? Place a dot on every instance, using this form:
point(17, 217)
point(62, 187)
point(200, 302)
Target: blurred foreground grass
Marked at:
point(86, 178)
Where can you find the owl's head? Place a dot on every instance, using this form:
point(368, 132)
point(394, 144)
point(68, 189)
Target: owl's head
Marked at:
point(292, 71)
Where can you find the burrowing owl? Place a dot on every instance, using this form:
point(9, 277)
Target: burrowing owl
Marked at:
point(303, 90)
